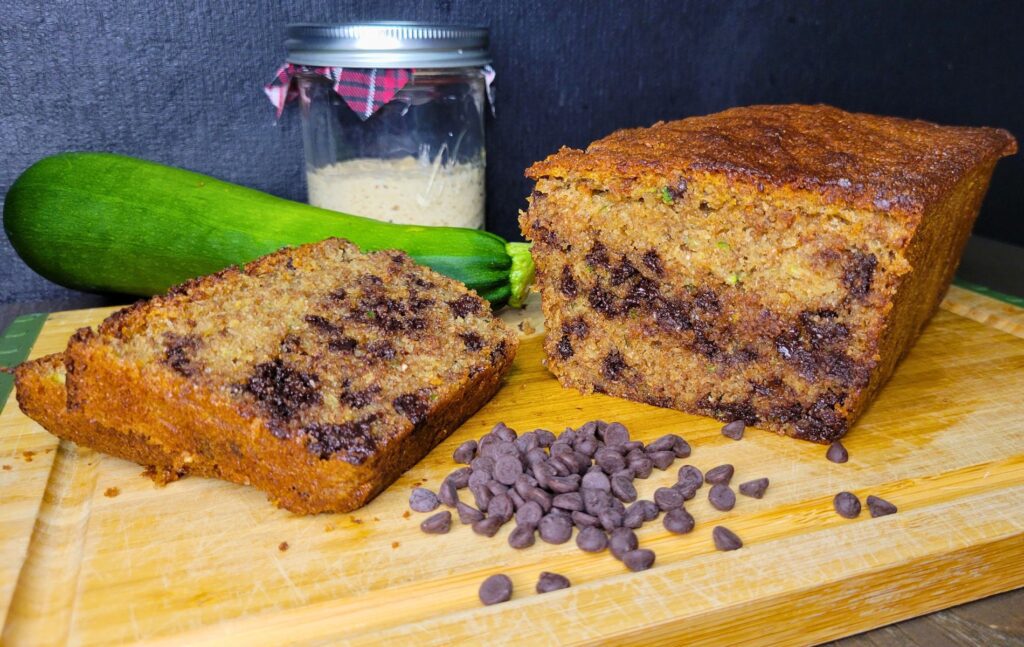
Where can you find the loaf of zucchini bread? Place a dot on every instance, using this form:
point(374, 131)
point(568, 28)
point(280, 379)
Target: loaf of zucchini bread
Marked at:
point(769, 264)
point(317, 374)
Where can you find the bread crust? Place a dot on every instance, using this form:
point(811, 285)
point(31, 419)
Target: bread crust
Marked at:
point(855, 160)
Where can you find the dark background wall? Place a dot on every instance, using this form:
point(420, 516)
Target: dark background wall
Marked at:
point(180, 82)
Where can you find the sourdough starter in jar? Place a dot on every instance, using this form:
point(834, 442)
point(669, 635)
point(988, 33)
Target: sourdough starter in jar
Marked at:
point(404, 190)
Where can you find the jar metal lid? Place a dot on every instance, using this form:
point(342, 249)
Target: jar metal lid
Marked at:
point(387, 45)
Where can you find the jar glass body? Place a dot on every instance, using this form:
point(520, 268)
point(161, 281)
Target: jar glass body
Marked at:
point(419, 159)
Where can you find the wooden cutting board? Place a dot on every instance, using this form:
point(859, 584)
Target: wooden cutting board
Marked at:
point(92, 553)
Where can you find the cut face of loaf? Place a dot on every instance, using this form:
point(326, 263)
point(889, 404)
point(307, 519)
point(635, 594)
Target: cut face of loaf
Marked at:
point(317, 374)
point(770, 264)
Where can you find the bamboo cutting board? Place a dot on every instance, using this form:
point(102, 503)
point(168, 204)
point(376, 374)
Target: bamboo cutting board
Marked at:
point(92, 553)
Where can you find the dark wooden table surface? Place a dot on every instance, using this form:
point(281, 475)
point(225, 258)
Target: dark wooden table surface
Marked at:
point(994, 621)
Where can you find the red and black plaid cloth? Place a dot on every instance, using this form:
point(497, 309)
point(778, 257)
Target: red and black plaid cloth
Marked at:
point(364, 90)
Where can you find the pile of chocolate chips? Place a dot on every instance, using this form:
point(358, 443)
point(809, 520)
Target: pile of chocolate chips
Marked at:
point(582, 478)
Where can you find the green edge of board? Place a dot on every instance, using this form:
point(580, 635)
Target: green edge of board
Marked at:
point(15, 345)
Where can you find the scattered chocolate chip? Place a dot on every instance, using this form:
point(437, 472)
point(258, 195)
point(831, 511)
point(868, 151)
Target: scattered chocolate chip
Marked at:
point(597, 481)
point(571, 501)
point(437, 524)
point(662, 460)
point(555, 529)
point(837, 452)
point(544, 437)
point(507, 469)
point(423, 500)
point(641, 467)
point(640, 559)
point(483, 464)
point(678, 521)
point(584, 520)
point(591, 539)
point(497, 488)
point(734, 429)
point(496, 589)
point(465, 453)
point(539, 496)
point(725, 539)
point(549, 582)
point(622, 488)
point(719, 475)
point(460, 477)
point(879, 507)
point(615, 434)
point(667, 498)
point(521, 537)
point(610, 519)
point(448, 493)
point(563, 484)
point(755, 488)
point(609, 460)
point(468, 515)
point(501, 507)
point(847, 505)
point(722, 497)
point(529, 514)
point(488, 527)
point(621, 541)
point(689, 477)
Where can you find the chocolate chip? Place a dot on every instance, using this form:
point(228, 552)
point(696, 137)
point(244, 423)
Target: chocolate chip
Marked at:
point(641, 467)
point(504, 432)
point(584, 520)
point(689, 476)
point(497, 488)
point(529, 514)
point(615, 434)
point(847, 505)
point(521, 537)
point(555, 529)
point(423, 500)
point(721, 497)
point(524, 482)
point(597, 481)
point(662, 460)
point(526, 442)
point(501, 507)
point(437, 524)
point(465, 453)
point(483, 464)
point(468, 514)
point(678, 521)
point(668, 498)
point(622, 488)
point(540, 497)
point(563, 484)
point(517, 500)
point(837, 453)
point(719, 475)
point(621, 541)
point(640, 559)
point(507, 469)
point(448, 493)
point(595, 501)
point(587, 446)
point(460, 477)
point(734, 429)
point(571, 501)
point(481, 496)
point(478, 478)
point(725, 539)
point(634, 518)
point(609, 460)
point(488, 527)
point(591, 539)
point(544, 437)
point(630, 446)
point(549, 582)
point(610, 519)
point(755, 488)
point(879, 507)
point(495, 589)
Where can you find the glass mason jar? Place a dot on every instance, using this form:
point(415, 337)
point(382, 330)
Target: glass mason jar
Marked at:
point(417, 159)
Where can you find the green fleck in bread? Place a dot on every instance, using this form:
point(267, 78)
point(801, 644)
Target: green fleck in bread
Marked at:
point(770, 263)
point(316, 374)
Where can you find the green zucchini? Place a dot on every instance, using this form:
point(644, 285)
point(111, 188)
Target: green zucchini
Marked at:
point(105, 222)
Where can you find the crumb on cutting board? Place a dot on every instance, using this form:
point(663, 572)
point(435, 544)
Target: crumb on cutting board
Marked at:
point(112, 492)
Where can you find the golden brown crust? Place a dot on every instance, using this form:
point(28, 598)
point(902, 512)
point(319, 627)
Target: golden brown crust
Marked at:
point(849, 159)
point(41, 395)
point(203, 405)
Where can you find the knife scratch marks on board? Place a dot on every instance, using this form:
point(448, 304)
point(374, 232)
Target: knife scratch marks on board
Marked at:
point(299, 595)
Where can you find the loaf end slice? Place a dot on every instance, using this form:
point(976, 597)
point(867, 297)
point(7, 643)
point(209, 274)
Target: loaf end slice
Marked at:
point(770, 264)
point(317, 374)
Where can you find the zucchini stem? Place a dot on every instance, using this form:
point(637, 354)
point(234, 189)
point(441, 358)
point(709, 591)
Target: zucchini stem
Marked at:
point(520, 275)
